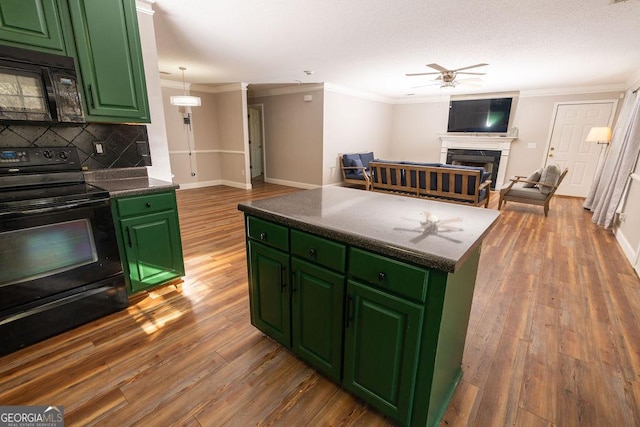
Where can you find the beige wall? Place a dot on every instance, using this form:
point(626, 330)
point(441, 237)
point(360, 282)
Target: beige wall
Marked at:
point(217, 139)
point(231, 117)
point(415, 129)
point(353, 125)
point(293, 138)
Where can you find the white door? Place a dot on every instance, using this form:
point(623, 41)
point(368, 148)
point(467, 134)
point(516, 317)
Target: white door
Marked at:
point(568, 148)
point(255, 141)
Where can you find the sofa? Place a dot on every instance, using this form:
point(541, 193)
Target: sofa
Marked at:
point(449, 183)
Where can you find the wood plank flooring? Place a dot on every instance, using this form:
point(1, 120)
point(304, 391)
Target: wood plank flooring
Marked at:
point(554, 337)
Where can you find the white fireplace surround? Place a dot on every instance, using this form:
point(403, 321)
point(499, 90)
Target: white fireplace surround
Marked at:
point(477, 142)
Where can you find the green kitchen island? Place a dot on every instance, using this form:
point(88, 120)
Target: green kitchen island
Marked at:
point(373, 290)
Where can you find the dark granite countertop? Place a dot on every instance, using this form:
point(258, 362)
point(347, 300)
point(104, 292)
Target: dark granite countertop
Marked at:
point(424, 232)
point(127, 181)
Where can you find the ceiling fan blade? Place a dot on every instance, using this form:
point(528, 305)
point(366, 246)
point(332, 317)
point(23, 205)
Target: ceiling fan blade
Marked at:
point(470, 80)
point(470, 73)
point(419, 74)
point(437, 67)
point(469, 84)
point(470, 66)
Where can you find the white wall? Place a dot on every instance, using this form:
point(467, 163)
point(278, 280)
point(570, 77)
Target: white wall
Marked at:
point(415, 129)
point(156, 130)
point(353, 125)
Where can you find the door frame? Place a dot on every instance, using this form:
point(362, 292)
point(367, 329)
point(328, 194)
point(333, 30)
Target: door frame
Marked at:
point(554, 114)
point(260, 107)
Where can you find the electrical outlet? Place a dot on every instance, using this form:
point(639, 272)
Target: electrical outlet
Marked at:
point(98, 148)
point(242, 172)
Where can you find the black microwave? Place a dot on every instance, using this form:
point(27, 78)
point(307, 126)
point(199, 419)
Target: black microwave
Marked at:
point(38, 87)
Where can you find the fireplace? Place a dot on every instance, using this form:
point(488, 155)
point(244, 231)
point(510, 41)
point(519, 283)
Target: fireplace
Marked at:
point(487, 159)
point(498, 147)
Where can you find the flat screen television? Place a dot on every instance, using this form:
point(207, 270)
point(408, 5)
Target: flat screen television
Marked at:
point(479, 115)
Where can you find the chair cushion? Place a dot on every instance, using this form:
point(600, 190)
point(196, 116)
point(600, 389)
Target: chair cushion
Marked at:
point(347, 159)
point(366, 158)
point(549, 175)
point(518, 190)
point(535, 176)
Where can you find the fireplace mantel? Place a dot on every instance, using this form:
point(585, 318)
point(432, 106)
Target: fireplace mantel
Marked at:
point(479, 142)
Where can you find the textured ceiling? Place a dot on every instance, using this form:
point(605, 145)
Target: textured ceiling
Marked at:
point(368, 45)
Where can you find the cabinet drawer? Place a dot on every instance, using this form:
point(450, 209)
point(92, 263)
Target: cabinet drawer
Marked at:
point(268, 233)
point(319, 250)
point(388, 274)
point(137, 205)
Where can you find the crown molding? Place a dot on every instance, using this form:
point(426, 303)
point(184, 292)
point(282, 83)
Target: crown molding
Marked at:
point(174, 84)
point(231, 87)
point(287, 90)
point(145, 6)
point(330, 87)
point(619, 87)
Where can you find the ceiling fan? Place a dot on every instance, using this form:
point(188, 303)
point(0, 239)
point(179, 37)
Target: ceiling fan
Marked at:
point(447, 78)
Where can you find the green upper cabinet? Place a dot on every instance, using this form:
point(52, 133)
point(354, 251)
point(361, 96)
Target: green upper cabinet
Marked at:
point(108, 50)
point(32, 24)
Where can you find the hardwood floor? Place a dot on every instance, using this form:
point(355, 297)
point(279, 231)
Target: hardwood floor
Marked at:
point(554, 337)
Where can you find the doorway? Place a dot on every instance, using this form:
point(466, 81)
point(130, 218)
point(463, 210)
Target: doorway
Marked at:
point(568, 148)
point(256, 142)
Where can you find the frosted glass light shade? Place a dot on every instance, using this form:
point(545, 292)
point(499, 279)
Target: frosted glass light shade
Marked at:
point(186, 101)
point(601, 135)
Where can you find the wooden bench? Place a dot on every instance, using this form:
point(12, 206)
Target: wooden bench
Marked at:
point(447, 183)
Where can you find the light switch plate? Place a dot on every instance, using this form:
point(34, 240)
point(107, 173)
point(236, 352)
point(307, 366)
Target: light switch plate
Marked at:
point(531, 145)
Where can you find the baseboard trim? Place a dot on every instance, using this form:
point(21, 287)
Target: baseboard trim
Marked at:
point(291, 183)
point(628, 250)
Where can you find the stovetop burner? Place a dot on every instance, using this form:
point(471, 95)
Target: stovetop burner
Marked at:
point(39, 178)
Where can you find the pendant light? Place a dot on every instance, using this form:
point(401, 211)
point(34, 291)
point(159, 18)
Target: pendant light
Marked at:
point(185, 100)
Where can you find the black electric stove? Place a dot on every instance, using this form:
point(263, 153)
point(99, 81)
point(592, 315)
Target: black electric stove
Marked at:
point(59, 260)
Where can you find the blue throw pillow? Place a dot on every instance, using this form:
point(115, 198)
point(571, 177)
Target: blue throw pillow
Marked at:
point(357, 162)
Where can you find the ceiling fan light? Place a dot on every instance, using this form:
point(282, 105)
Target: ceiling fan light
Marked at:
point(185, 101)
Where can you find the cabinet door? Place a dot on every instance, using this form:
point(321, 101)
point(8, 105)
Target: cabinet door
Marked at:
point(108, 48)
point(317, 297)
point(153, 249)
point(381, 344)
point(32, 24)
point(269, 292)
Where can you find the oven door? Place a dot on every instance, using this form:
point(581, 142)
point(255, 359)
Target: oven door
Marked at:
point(50, 253)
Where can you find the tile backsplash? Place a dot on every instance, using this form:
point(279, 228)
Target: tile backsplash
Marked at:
point(123, 145)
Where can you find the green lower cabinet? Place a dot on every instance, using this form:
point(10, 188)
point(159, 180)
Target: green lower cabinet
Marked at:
point(389, 331)
point(381, 349)
point(317, 317)
point(149, 239)
point(153, 250)
point(269, 292)
point(32, 24)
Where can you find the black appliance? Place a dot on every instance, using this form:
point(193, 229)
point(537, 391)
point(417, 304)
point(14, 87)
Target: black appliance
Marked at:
point(38, 87)
point(59, 260)
point(479, 115)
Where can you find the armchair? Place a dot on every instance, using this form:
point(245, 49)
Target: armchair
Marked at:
point(536, 189)
point(355, 169)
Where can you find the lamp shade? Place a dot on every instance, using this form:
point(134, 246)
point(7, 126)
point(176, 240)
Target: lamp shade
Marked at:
point(601, 135)
point(186, 101)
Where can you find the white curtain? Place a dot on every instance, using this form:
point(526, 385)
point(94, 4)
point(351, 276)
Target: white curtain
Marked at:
point(608, 187)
